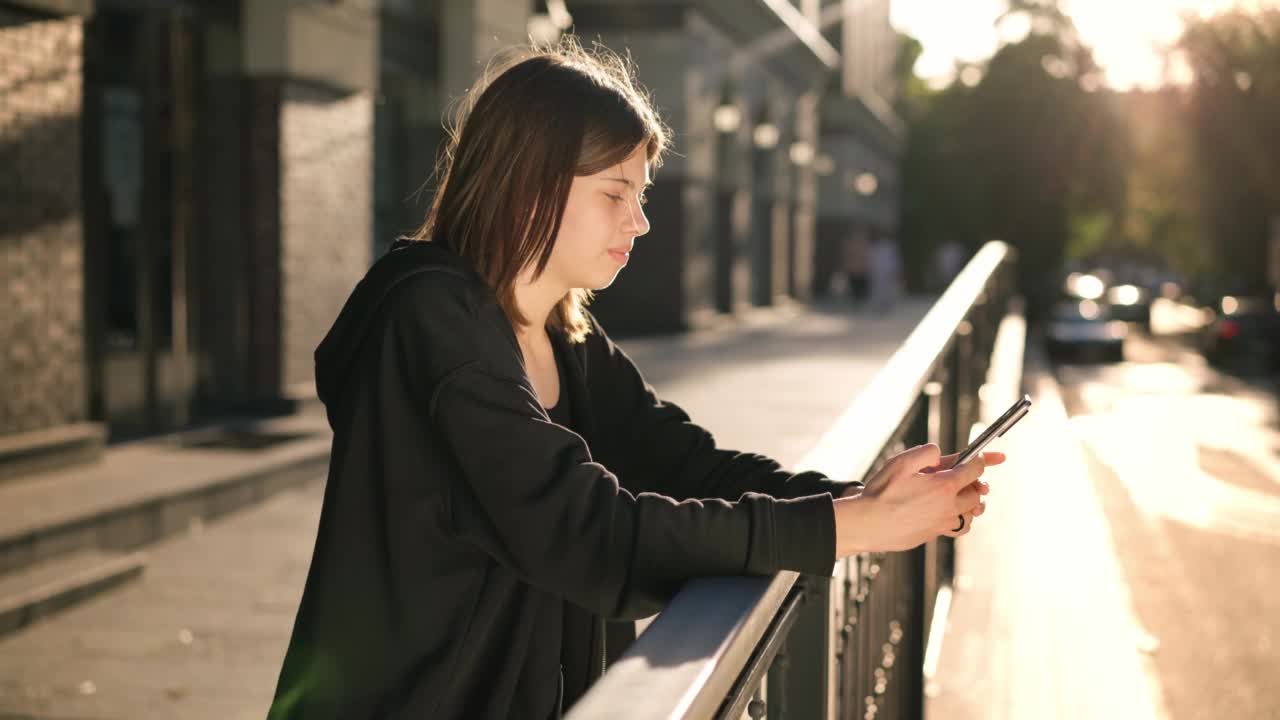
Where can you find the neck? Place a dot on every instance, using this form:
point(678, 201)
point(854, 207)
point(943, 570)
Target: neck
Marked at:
point(536, 299)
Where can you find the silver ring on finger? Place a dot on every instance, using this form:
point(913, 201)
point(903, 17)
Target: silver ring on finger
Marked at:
point(962, 522)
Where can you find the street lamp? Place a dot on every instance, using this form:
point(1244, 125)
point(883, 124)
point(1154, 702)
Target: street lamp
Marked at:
point(866, 184)
point(765, 136)
point(726, 118)
point(541, 30)
point(801, 153)
point(545, 28)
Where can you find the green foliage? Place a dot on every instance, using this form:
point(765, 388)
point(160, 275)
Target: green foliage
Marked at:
point(1088, 234)
point(1233, 114)
point(1161, 212)
point(1032, 151)
point(913, 93)
point(1017, 155)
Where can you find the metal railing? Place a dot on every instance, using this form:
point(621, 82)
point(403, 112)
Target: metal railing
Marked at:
point(849, 646)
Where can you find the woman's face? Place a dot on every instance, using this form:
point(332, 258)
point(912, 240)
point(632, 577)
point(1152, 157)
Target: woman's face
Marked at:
point(602, 219)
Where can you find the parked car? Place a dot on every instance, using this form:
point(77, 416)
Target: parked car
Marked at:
point(1083, 329)
point(1130, 303)
point(1245, 334)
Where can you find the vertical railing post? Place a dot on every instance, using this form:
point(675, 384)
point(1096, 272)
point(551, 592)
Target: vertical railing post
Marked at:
point(919, 589)
point(798, 681)
point(962, 379)
point(933, 433)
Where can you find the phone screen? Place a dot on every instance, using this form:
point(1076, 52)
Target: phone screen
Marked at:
point(996, 429)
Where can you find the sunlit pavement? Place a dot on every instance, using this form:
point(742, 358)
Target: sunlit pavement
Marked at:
point(201, 634)
point(1129, 562)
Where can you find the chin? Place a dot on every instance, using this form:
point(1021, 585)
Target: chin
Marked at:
point(599, 282)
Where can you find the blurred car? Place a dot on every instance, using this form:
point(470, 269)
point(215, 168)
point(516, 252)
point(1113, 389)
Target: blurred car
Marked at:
point(1130, 303)
point(1244, 335)
point(1085, 285)
point(1081, 329)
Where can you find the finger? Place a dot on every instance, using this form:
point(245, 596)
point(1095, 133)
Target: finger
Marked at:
point(982, 507)
point(952, 531)
point(967, 500)
point(948, 461)
point(918, 458)
point(981, 486)
point(966, 474)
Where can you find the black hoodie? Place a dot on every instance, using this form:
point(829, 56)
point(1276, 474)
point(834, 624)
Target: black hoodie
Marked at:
point(458, 520)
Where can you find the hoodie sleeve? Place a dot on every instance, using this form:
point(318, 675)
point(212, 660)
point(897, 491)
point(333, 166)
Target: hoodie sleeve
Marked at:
point(528, 493)
point(654, 446)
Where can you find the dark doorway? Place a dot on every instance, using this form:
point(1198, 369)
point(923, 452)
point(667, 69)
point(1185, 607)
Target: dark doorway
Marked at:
point(141, 73)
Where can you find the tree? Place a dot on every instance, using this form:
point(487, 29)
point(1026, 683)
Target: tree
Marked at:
point(1161, 214)
point(1015, 150)
point(1234, 113)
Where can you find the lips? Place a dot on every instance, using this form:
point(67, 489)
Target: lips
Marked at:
point(620, 254)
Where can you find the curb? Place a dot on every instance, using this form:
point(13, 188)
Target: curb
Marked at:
point(27, 597)
point(66, 558)
point(140, 521)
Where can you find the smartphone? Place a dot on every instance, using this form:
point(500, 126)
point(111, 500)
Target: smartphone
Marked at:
point(995, 429)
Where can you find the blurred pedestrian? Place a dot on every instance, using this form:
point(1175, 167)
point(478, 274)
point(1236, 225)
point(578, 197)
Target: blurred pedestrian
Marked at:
point(853, 263)
point(503, 480)
point(886, 273)
point(948, 260)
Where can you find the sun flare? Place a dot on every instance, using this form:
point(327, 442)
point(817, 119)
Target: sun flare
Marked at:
point(1130, 39)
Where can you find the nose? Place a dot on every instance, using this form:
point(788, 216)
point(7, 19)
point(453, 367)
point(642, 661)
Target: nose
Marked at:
point(637, 223)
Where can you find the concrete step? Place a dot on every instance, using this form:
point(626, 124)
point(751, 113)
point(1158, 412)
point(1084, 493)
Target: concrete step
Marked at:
point(41, 590)
point(141, 492)
point(22, 454)
point(303, 398)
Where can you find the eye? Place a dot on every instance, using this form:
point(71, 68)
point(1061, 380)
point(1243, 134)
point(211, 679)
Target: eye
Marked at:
point(615, 198)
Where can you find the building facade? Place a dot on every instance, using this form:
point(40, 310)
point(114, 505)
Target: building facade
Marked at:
point(861, 135)
point(191, 188)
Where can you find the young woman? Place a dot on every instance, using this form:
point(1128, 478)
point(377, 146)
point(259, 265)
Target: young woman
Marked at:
point(503, 480)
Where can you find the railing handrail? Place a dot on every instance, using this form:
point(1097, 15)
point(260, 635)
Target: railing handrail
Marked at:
point(895, 388)
point(688, 659)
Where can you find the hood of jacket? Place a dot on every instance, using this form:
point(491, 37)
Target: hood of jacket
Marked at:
point(336, 355)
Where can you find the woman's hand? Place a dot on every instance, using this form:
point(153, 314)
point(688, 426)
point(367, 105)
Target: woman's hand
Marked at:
point(916, 496)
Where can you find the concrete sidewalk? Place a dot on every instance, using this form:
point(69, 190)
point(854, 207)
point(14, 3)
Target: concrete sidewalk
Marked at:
point(202, 632)
point(1042, 625)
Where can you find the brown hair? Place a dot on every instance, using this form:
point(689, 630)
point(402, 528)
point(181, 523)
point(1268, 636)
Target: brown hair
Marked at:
point(545, 116)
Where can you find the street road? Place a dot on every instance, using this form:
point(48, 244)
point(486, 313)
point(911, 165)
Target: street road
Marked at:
point(1185, 461)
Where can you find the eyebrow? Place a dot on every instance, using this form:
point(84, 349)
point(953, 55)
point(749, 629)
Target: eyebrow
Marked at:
point(627, 182)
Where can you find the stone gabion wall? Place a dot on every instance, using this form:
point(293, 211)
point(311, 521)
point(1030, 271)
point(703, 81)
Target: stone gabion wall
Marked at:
point(42, 363)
